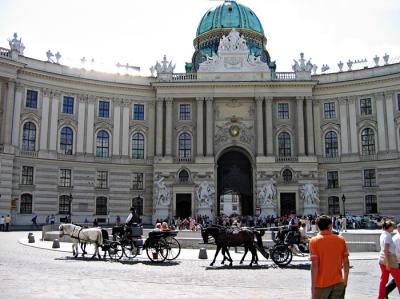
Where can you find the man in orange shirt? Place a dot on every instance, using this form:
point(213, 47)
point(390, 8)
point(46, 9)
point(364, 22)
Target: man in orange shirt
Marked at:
point(329, 262)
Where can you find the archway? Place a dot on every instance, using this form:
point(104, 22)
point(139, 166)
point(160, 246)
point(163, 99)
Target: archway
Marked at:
point(234, 182)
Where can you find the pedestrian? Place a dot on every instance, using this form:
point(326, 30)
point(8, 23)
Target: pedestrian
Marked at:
point(396, 240)
point(7, 221)
point(329, 262)
point(387, 258)
point(47, 219)
point(34, 221)
point(344, 224)
point(2, 223)
point(52, 219)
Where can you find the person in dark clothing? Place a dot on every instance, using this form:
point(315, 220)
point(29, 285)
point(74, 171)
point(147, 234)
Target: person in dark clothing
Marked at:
point(133, 217)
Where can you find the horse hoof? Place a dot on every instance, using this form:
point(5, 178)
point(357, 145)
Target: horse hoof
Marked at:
point(230, 265)
point(212, 264)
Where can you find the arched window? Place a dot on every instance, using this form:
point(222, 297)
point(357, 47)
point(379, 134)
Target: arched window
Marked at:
point(101, 205)
point(64, 205)
point(285, 148)
point(185, 145)
point(66, 140)
point(368, 141)
point(137, 203)
point(137, 146)
point(331, 144)
point(371, 205)
point(29, 137)
point(183, 176)
point(333, 205)
point(287, 176)
point(102, 144)
point(26, 204)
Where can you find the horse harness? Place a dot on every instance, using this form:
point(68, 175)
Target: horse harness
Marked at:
point(79, 232)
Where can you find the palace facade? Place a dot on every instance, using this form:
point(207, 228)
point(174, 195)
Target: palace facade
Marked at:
point(90, 144)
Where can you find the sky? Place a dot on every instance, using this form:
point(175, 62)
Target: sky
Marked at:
point(141, 32)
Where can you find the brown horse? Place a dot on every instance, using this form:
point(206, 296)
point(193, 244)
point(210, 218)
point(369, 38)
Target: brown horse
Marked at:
point(225, 238)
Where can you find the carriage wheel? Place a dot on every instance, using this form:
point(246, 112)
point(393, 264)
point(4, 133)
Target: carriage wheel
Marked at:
point(116, 251)
point(281, 255)
point(130, 250)
point(174, 248)
point(157, 250)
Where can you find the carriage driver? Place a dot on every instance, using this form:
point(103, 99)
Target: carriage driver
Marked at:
point(132, 218)
point(293, 236)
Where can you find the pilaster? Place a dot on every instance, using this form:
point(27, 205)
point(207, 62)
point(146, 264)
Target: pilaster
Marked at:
point(44, 125)
point(90, 125)
point(310, 128)
point(17, 115)
point(159, 129)
point(269, 129)
point(8, 113)
point(81, 124)
point(300, 126)
point(199, 126)
point(380, 114)
point(210, 125)
point(125, 127)
point(151, 123)
point(55, 98)
point(260, 139)
point(353, 124)
point(168, 126)
point(343, 125)
point(390, 121)
point(116, 128)
point(317, 128)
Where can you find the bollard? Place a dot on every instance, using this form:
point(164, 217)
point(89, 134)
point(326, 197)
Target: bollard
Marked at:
point(30, 234)
point(56, 244)
point(31, 238)
point(203, 254)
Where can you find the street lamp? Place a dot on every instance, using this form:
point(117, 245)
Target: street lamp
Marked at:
point(344, 205)
point(70, 207)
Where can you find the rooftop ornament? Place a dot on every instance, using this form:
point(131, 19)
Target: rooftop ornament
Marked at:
point(386, 58)
point(16, 44)
point(50, 56)
point(301, 65)
point(165, 67)
point(127, 67)
point(324, 68)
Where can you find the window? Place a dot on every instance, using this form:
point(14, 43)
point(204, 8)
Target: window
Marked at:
point(332, 179)
point(31, 98)
point(138, 181)
point(68, 105)
point(29, 137)
point(329, 110)
point(26, 204)
point(101, 205)
point(331, 144)
point(138, 112)
point(104, 109)
point(365, 106)
point(371, 206)
point(27, 175)
point(102, 144)
point(64, 205)
point(185, 145)
point(333, 205)
point(65, 178)
point(66, 141)
point(137, 203)
point(102, 180)
point(183, 177)
point(283, 110)
point(284, 145)
point(184, 111)
point(137, 146)
point(369, 178)
point(368, 142)
point(287, 176)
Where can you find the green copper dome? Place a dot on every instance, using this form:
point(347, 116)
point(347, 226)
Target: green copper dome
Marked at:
point(229, 15)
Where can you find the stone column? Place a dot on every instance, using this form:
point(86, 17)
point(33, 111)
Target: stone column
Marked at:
point(90, 125)
point(8, 113)
point(310, 128)
point(81, 124)
point(116, 128)
point(260, 139)
point(168, 126)
point(199, 127)
point(390, 121)
point(343, 125)
point(317, 129)
point(300, 126)
point(17, 116)
point(210, 125)
point(151, 123)
point(159, 129)
point(125, 128)
point(55, 98)
point(353, 124)
point(44, 124)
point(269, 134)
point(380, 114)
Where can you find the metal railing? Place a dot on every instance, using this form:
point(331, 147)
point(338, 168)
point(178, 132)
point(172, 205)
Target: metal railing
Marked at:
point(286, 159)
point(30, 154)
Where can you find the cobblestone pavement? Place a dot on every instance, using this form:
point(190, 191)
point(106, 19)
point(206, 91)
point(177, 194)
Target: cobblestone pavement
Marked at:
point(27, 272)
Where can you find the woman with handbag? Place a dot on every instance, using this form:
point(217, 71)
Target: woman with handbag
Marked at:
point(387, 258)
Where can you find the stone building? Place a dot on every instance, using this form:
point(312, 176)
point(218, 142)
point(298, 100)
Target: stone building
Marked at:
point(90, 144)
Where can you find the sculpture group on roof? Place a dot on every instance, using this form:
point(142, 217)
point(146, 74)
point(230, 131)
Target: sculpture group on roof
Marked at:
point(16, 44)
point(301, 65)
point(164, 67)
point(233, 42)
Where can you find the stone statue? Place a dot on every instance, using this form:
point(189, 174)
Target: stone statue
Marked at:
point(268, 193)
point(163, 194)
point(16, 44)
point(205, 194)
point(49, 56)
point(164, 67)
point(301, 65)
point(309, 194)
point(58, 57)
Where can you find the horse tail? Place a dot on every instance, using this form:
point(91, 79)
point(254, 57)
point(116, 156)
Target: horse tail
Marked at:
point(259, 238)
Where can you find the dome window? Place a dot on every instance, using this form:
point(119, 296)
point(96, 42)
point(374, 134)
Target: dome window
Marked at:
point(230, 9)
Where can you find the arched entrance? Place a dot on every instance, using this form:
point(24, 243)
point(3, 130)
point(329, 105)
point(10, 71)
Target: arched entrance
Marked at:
point(234, 182)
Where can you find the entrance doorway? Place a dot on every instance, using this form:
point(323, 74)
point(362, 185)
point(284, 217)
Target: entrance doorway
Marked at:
point(184, 205)
point(288, 203)
point(235, 176)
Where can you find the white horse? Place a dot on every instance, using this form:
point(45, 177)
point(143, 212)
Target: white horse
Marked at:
point(84, 235)
point(309, 193)
point(204, 194)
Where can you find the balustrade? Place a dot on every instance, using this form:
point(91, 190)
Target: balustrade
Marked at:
point(286, 159)
point(184, 76)
point(284, 76)
point(4, 52)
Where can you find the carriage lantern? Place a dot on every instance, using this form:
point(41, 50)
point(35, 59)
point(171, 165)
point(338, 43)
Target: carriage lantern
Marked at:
point(344, 205)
